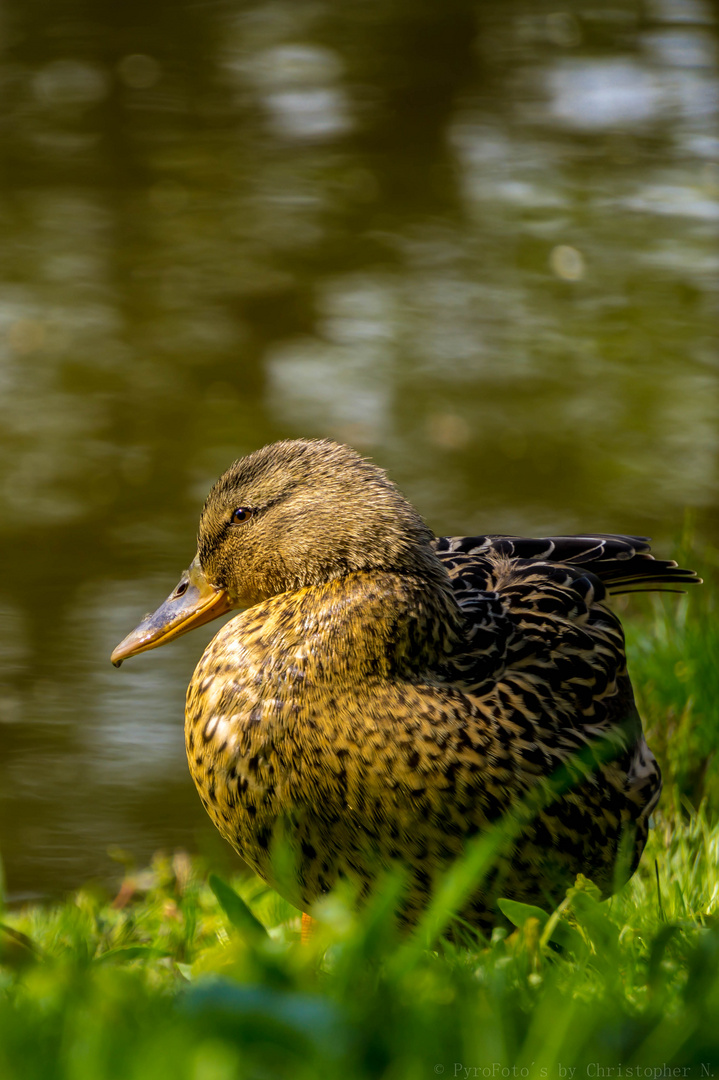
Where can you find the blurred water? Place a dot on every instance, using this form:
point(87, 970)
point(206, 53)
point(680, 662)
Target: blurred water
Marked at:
point(476, 240)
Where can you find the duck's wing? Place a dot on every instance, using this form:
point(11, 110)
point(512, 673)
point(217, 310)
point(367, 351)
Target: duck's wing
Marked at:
point(543, 664)
point(541, 621)
point(622, 563)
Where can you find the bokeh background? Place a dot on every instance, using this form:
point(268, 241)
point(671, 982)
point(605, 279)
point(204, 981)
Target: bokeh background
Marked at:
point(477, 240)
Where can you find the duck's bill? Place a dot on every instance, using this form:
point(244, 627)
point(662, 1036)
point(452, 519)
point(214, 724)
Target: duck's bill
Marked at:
point(192, 603)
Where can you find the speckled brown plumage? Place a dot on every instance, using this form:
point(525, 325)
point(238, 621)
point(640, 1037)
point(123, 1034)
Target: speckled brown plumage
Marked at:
point(386, 694)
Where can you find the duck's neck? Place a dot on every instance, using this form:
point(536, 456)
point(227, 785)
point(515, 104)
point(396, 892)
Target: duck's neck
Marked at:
point(365, 625)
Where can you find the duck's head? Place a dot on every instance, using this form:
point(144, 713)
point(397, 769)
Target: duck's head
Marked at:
point(292, 514)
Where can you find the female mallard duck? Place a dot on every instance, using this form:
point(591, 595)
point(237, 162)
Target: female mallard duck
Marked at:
point(388, 694)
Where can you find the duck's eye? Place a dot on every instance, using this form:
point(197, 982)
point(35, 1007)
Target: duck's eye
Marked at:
point(242, 513)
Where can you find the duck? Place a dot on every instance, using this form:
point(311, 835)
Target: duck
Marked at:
point(383, 695)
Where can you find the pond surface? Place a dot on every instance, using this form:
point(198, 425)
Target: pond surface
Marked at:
point(478, 241)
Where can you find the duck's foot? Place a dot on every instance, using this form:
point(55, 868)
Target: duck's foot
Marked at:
point(307, 924)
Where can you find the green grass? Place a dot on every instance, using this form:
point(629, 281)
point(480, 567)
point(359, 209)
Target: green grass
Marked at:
point(673, 650)
point(186, 976)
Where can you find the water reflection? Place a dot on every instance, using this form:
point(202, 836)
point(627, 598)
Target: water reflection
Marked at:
point(478, 241)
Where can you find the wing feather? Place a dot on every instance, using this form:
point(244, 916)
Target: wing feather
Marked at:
point(623, 563)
